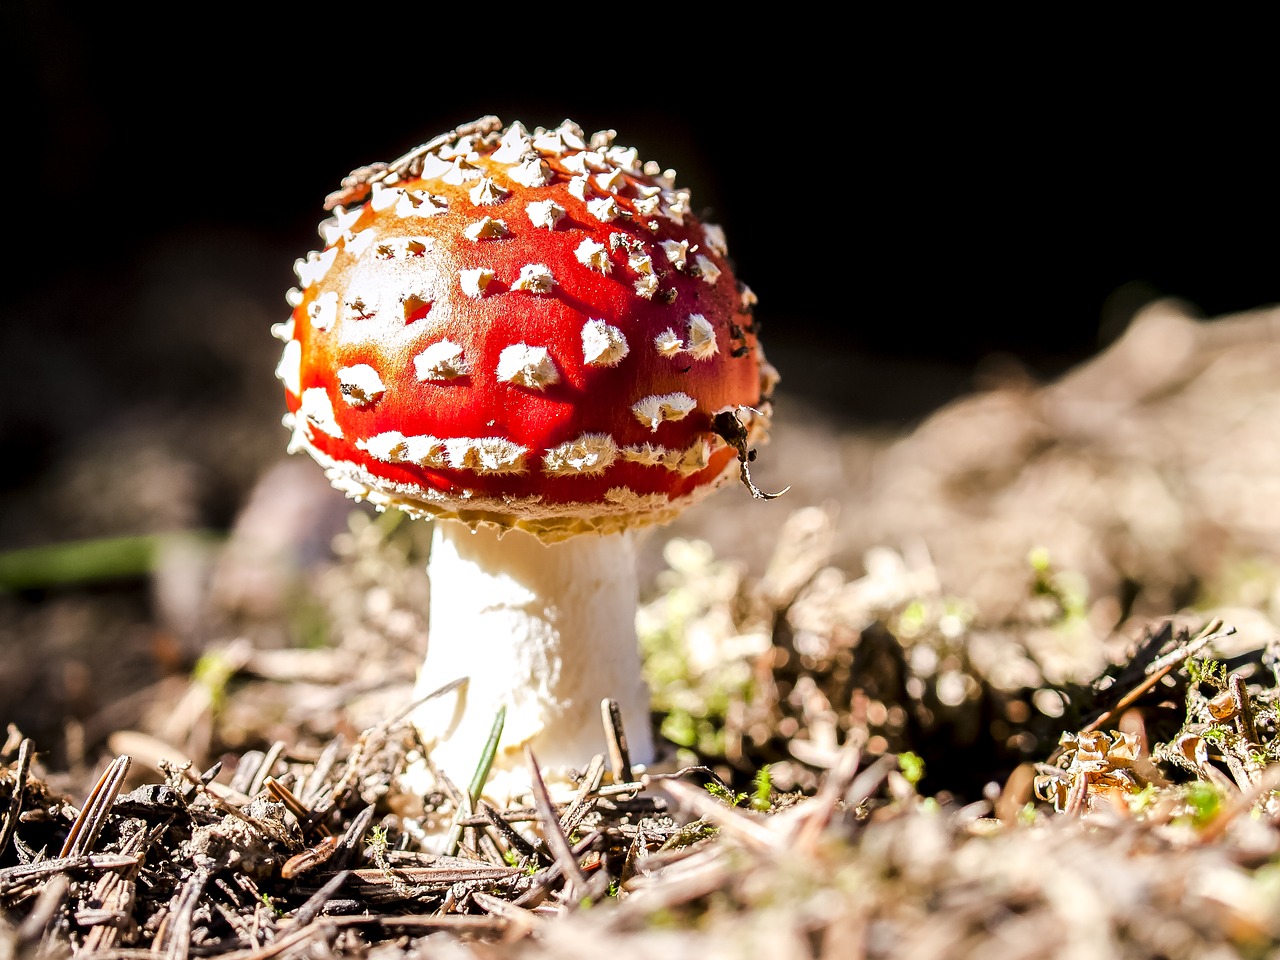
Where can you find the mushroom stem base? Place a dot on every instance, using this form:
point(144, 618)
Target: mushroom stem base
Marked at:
point(546, 630)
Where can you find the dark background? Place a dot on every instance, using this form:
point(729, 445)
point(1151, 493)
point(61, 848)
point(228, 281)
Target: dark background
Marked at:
point(907, 201)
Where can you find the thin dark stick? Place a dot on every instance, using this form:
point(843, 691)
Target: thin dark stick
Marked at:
point(557, 842)
point(585, 800)
point(352, 839)
point(264, 768)
point(41, 915)
point(312, 791)
point(315, 903)
point(181, 922)
point(616, 737)
point(300, 811)
point(516, 842)
point(1244, 719)
point(19, 787)
point(48, 868)
point(545, 878)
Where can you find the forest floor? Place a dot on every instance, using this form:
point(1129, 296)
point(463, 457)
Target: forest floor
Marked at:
point(1002, 684)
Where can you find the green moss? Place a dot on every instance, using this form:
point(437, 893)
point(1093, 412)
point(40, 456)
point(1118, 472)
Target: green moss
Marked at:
point(763, 798)
point(1203, 802)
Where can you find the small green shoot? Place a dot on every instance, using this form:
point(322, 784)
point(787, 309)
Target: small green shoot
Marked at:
point(486, 758)
point(1207, 670)
point(762, 801)
point(1067, 589)
point(376, 846)
point(760, 798)
point(478, 780)
point(1204, 802)
point(912, 767)
point(214, 671)
point(1140, 800)
point(724, 794)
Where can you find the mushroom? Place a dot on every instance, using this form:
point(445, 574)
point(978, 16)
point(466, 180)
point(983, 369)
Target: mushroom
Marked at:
point(527, 336)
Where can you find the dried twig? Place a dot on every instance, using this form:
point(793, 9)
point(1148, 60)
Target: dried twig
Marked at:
point(616, 737)
point(97, 808)
point(523, 921)
point(301, 812)
point(514, 840)
point(37, 922)
point(116, 892)
point(427, 879)
point(1244, 709)
point(1161, 668)
point(175, 939)
point(545, 879)
point(557, 843)
point(315, 903)
point(351, 839)
point(585, 799)
point(20, 770)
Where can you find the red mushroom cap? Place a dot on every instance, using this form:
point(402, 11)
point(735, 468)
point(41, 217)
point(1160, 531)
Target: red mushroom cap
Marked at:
point(525, 329)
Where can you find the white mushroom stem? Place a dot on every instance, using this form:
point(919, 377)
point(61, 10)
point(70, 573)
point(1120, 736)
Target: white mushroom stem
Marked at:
point(546, 630)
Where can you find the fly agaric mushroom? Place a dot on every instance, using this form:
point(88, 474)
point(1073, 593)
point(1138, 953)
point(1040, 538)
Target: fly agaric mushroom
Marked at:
point(529, 337)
